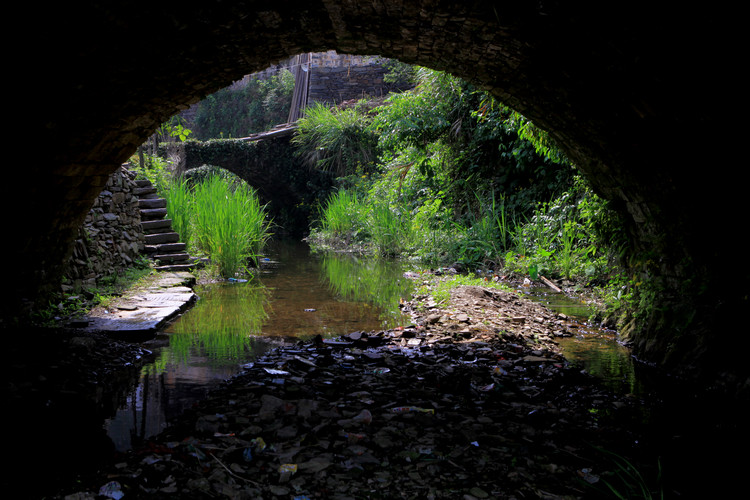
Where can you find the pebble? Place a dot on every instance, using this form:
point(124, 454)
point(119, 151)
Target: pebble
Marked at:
point(376, 414)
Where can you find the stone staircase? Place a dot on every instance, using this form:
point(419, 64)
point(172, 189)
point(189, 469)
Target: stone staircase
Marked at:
point(163, 245)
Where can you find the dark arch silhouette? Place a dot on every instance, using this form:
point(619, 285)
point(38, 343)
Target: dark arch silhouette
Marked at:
point(630, 91)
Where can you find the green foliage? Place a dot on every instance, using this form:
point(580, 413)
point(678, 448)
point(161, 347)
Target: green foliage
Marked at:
point(180, 207)
point(344, 215)
point(229, 223)
point(336, 140)
point(174, 128)
point(156, 170)
point(399, 73)
point(574, 235)
point(245, 109)
point(464, 142)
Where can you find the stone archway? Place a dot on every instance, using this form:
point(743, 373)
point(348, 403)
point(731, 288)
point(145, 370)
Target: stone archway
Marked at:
point(630, 93)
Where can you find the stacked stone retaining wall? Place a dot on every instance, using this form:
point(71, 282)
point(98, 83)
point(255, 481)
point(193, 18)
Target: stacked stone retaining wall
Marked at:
point(111, 237)
point(336, 84)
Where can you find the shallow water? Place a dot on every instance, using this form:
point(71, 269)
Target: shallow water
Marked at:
point(298, 295)
point(595, 350)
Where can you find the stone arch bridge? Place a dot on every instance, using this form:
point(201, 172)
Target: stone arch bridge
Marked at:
point(636, 93)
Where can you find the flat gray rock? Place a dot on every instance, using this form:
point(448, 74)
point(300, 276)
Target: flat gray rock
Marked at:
point(143, 312)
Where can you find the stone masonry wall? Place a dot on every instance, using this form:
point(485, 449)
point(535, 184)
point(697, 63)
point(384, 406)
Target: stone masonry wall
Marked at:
point(335, 77)
point(111, 237)
point(335, 84)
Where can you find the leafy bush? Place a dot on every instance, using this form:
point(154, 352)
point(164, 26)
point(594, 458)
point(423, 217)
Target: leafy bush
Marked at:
point(335, 140)
point(245, 109)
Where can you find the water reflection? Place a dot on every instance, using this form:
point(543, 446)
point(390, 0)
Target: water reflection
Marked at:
point(377, 282)
point(597, 351)
point(296, 296)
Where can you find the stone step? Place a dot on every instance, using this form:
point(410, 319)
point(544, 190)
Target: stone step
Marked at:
point(156, 226)
point(152, 203)
point(171, 257)
point(143, 191)
point(165, 248)
point(143, 183)
point(156, 239)
point(177, 267)
point(153, 213)
point(171, 247)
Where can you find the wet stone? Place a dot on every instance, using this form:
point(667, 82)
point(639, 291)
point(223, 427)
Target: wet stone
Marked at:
point(404, 413)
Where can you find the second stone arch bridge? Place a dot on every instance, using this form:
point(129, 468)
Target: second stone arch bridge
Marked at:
point(266, 161)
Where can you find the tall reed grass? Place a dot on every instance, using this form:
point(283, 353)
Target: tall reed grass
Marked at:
point(343, 215)
point(389, 229)
point(180, 208)
point(230, 224)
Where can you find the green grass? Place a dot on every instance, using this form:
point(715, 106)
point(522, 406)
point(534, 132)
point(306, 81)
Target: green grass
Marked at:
point(230, 224)
point(179, 208)
point(390, 231)
point(440, 288)
point(343, 215)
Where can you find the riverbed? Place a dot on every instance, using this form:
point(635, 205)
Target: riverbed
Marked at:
point(297, 295)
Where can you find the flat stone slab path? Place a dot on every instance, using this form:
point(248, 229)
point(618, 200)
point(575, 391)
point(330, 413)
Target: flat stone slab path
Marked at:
point(140, 312)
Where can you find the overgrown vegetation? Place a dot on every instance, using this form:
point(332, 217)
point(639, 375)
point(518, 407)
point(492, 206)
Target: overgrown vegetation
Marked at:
point(245, 108)
point(447, 175)
point(442, 174)
point(215, 213)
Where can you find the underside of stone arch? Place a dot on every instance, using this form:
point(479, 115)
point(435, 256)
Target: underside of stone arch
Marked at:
point(630, 92)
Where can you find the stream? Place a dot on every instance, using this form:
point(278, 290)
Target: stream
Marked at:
point(296, 296)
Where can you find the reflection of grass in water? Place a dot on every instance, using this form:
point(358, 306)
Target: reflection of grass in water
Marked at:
point(224, 323)
point(373, 281)
point(603, 358)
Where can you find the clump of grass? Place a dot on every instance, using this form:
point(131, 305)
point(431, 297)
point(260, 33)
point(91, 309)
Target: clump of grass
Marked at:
point(230, 224)
point(179, 207)
point(627, 481)
point(390, 231)
point(343, 215)
point(335, 140)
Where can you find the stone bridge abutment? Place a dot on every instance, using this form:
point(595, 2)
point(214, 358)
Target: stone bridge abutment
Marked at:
point(635, 93)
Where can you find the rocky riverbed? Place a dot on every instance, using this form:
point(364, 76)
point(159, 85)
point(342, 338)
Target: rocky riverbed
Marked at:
point(472, 400)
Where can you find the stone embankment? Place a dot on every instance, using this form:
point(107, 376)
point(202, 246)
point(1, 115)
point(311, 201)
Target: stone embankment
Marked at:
point(127, 222)
point(111, 238)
